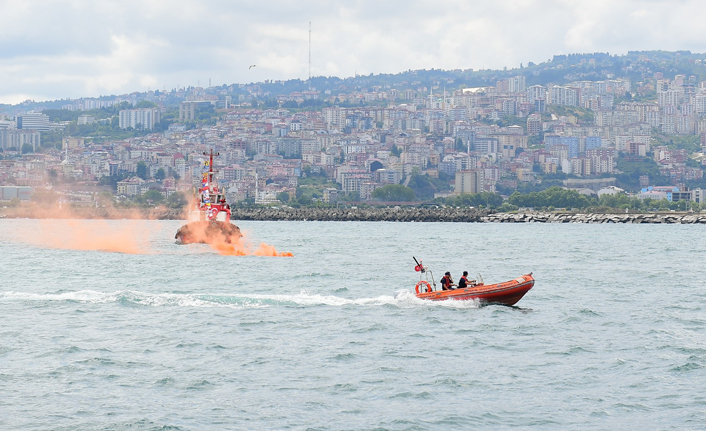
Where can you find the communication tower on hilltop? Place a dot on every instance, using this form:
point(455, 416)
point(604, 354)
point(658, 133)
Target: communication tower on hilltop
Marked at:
point(309, 55)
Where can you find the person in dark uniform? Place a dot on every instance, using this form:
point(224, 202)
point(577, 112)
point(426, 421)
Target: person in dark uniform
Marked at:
point(447, 282)
point(463, 282)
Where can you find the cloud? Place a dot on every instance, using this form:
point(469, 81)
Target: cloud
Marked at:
point(69, 49)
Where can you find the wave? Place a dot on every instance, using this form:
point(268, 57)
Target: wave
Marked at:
point(401, 299)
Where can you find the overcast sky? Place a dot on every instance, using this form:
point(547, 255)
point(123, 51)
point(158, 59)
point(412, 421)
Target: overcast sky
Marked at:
point(70, 49)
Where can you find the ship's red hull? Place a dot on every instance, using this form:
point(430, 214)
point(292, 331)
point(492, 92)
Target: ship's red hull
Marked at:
point(507, 293)
point(208, 232)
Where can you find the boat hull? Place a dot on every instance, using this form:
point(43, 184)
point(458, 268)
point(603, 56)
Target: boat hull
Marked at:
point(208, 232)
point(506, 293)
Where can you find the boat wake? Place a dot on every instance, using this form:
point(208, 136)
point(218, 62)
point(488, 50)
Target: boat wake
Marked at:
point(401, 299)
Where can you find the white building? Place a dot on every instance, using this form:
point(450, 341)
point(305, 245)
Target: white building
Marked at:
point(146, 117)
point(33, 121)
point(536, 92)
point(700, 103)
point(565, 96)
point(17, 138)
point(85, 119)
point(130, 186)
point(470, 181)
point(516, 84)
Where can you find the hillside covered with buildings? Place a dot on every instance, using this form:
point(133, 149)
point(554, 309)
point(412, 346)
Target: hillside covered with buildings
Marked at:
point(595, 123)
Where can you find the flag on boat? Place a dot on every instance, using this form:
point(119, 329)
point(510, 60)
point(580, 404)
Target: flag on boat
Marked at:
point(419, 267)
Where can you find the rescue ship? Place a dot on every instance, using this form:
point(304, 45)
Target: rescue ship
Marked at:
point(506, 293)
point(209, 215)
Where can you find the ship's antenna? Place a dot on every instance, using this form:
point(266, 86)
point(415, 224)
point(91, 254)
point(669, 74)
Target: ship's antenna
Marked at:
point(309, 55)
point(210, 165)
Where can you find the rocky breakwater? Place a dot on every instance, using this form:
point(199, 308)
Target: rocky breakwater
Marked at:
point(653, 218)
point(399, 214)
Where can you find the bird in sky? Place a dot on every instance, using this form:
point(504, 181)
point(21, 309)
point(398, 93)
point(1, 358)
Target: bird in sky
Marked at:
point(251, 66)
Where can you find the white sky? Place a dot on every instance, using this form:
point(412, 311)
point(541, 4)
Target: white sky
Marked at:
point(52, 49)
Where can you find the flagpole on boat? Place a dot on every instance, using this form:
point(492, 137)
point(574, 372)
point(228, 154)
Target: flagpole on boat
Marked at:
point(424, 270)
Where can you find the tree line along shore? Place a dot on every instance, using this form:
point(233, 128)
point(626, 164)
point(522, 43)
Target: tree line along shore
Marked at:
point(388, 214)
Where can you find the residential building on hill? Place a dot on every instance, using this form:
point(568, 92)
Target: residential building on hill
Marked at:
point(144, 118)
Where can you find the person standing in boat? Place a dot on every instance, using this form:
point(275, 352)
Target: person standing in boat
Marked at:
point(447, 282)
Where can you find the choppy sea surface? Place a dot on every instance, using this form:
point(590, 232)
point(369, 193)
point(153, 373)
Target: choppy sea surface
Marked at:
point(613, 335)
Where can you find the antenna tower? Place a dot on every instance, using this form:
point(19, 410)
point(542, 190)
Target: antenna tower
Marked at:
point(309, 55)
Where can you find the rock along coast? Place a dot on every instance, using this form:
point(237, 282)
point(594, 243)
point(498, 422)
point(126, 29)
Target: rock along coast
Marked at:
point(459, 215)
point(390, 214)
point(399, 214)
point(648, 218)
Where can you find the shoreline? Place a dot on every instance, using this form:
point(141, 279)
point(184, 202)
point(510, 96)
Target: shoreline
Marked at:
point(596, 218)
point(394, 214)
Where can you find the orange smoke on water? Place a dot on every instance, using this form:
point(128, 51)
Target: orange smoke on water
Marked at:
point(105, 228)
point(107, 211)
point(125, 236)
point(269, 250)
point(119, 230)
point(227, 239)
point(237, 250)
point(242, 247)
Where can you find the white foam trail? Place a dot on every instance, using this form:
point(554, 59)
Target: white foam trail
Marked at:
point(77, 296)
point(405, 296)
point(401, 298)
point(137, 298)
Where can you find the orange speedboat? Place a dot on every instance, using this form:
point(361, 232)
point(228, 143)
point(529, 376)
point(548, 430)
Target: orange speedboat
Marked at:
point(507, 293)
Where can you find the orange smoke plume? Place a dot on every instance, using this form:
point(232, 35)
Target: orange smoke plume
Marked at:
point(241, 248)
point(107, 211)
point(226, 238)
point(88, 228)
point(125, 236)
point(70, 227)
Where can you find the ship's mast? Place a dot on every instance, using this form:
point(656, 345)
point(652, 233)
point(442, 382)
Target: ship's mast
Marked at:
point(210, 169)
point(210, 166)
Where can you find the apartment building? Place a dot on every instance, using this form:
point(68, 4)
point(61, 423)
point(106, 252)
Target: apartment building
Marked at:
point(144, 118)
point(33, 121)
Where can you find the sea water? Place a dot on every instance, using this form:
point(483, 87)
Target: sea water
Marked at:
point(612, 336)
